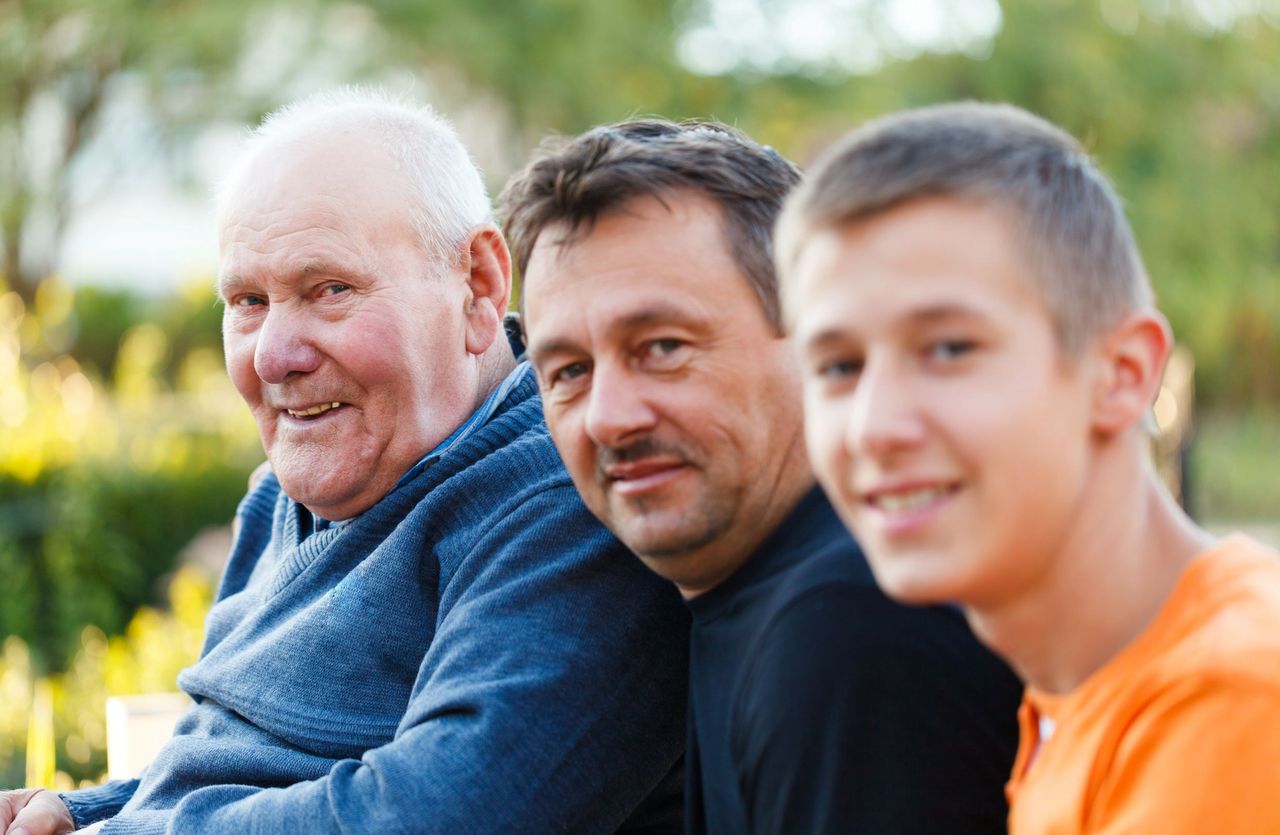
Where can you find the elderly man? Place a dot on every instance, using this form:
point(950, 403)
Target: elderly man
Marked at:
point(817, 705)
point(421, 628)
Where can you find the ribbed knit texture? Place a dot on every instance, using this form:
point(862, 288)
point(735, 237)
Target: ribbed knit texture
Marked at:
point(475, 653)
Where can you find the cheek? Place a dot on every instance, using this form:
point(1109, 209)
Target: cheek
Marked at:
point(238, 356)
point(823, 431)
point(576, 449)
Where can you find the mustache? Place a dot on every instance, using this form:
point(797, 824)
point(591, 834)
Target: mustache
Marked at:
point(638, 450)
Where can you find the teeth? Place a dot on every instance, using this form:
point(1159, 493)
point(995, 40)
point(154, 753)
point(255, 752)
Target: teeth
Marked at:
point(897, 502)
point(314, 410)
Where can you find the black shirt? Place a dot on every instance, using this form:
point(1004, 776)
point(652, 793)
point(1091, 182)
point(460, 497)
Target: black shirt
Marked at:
point(819, 705)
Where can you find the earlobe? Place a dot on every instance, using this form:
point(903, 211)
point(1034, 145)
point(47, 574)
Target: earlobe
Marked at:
point(1131, 364)
point(488, 265)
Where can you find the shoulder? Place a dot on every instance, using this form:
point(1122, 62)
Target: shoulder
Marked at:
point(1195, 754)
point(511, 457)
point(893, 714)
point(1209, 696)
point(255, 523)
point(829, 605)
point(483, 480)
point(1220, 636)
point(834, 635)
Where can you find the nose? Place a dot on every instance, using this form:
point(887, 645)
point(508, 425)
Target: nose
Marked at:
point(284, 346)
point(885, 418)
point(617, 408)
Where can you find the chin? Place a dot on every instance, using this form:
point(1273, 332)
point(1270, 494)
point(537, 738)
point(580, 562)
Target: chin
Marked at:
point(915, 585)
point(323, 503)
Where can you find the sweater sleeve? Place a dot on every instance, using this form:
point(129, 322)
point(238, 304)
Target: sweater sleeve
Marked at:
point(88, 806)
point(551, 699)
point(862, 715)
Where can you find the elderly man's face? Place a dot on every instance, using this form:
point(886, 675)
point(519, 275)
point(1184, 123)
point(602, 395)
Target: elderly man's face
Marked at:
point(345, 338)
point(674, 404)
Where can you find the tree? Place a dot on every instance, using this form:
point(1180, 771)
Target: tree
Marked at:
point(64, 62)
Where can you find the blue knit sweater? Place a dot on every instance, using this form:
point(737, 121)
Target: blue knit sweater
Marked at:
point(472, 654)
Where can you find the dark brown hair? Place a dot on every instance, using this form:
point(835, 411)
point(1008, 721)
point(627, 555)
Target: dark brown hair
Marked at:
point(575, 181)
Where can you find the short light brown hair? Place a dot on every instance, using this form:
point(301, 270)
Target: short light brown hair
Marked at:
point(575, 181)
point(1068, 220)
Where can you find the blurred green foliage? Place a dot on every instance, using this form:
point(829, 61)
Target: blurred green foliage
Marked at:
point(146, 658)
point(108, 466)
point(1233, 465)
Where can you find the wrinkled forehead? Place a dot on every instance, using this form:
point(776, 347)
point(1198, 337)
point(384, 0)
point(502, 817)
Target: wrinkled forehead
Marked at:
point(346, 175)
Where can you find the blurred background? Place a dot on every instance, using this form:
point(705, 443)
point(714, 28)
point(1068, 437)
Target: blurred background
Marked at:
point(124, 449)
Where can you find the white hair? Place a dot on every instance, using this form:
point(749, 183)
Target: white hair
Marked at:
point(449, 194)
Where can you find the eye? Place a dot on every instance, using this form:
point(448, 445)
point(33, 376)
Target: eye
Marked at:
point(662, 347)
point(950, 349)
point(663, 354)
point(248, 300)
point(334, 289)
point(566, 374)
point(837, 369)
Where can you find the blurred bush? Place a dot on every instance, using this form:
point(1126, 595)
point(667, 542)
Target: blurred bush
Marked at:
point(155, 646)
point(120, 439)
point(110, 460)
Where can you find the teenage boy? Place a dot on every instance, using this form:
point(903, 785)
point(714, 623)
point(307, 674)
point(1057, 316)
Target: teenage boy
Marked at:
point(979, 350)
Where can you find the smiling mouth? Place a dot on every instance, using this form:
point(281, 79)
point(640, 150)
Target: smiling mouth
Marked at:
point(312, 411)
point(906, 501)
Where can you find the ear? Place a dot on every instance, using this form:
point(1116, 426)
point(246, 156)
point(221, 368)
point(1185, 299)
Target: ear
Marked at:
point(488, 266)
point(1131, 364)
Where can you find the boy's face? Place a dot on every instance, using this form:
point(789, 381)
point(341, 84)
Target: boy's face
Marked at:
point(942, 419)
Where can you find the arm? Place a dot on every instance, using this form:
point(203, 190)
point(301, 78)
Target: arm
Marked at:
point(552, 698)
point(861, 715)
point(97, 803)
point(40, 811)
point(1200, 758)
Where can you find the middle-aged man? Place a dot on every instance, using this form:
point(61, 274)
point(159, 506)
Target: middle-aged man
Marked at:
point(421, 628)
point(817, 705)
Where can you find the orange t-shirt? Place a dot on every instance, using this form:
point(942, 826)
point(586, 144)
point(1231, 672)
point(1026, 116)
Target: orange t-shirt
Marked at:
point(1180, 732)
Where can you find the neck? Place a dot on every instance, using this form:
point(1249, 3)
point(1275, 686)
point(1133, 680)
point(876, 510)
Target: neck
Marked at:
point(492, 367)
point(1118, 564)
point(755, 522)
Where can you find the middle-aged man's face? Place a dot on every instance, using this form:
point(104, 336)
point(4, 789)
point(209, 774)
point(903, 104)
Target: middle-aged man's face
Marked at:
point(673, 402)
point(345, 338)
point(945, 423)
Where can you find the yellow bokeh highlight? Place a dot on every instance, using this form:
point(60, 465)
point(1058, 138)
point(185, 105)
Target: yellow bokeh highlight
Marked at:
point(72, 706)
point(41, 753)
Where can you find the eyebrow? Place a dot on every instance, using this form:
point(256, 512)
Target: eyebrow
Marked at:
point(304, 268)
point(225, 284)
point(653, 314)
point(946, 310)
point(312, 266)
point(926, 315)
